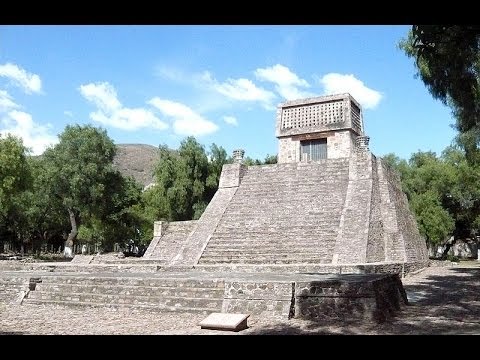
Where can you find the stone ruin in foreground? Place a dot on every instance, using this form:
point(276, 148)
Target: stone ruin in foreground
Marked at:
point(328, 206)
point(325, 233)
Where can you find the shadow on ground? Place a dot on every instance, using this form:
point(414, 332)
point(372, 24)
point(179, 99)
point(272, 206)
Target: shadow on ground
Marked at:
point(439, 304)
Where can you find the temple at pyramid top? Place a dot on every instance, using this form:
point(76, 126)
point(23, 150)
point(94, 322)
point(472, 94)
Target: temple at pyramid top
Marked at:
point(324, 127)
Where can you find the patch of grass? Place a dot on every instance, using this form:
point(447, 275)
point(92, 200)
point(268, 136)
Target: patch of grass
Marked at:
point(453, 258)
point(50, 257)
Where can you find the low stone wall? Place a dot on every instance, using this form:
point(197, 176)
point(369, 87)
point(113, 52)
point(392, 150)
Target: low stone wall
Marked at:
point(280, 295)
point(346, 297)
point(376, 299)
point(13, 288)
point(68, 267)
point(267, 299)
point(403, 269)
point(137, 265)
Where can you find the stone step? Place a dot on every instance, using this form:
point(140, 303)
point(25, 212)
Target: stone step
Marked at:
point(267, 228)
point(262, 223)
point(323, 268)
point(292, 197)
point(168, 301)
point(256, 250)
point(277, 245)
point(265, 254)
point(12, 281)
point(300, 182)
point(12, 288)
point(297, 167)
point(255, 260)
point(299, 171)
point(254, 234)
point(151, 308)
point(241, 239)
point(293, 200)
point(234, 219)
point(274, 236)
point(296, 178)
point(90, 268)
point(276, 242)
point(127, 260)
point(130, 281)
point(251, 260)
point(301, 210)
point(160, 291)
point(264, 218)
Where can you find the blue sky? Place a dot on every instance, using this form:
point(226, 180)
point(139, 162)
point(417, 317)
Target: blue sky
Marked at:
point(158, 84)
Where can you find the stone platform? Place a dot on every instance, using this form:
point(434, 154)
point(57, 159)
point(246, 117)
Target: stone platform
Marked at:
point(309, 296)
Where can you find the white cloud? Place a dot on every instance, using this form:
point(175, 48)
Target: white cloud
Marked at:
point(6, 101)
point(103, 95)
point(172, 73)
point(238, 89)
point(129, 119)
point(20, 77)
point(185, 120)
point(287, 83)
point(35, 136)
point(68, 113)
point(111, 112)
point(339, 83)
point(230, 120)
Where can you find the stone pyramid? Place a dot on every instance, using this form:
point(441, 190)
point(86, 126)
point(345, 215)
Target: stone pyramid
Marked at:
point(329, 205)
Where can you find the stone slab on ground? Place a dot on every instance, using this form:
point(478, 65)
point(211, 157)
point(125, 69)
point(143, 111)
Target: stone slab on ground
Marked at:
point(224, 321)
point(82, 259)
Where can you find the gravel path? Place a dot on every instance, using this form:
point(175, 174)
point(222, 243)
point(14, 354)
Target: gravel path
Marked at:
point(443, 300)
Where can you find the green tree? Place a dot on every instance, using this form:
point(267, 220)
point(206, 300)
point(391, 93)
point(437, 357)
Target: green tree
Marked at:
point(115, 220)
point(447, 58)
point(78, 171)
point(218, 157)
point(427, 184)
point(443, 192)
point(41, 217)
point(251, 162)
point(181, 181)
point(434, 222)
point(462, 194)
point(186, 181)
point(270, 159)
point(15, 178)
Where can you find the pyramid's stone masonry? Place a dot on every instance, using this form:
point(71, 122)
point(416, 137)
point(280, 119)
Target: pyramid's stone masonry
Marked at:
point(328, 202)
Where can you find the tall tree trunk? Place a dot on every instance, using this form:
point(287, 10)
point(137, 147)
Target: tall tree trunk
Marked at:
point(68, 252)
point(448, 245)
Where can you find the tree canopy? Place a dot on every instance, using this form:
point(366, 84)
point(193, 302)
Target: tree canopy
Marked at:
point(442, 191)
point(15, 175)
point(73, 192)
point(447, 58)
point(79, 173)
point(186, 180)
point(15, 179)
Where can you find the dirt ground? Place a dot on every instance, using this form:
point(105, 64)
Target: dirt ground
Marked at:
point(442, 300)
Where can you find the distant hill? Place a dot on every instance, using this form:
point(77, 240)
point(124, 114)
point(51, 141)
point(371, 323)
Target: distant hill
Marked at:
point(136, 160)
